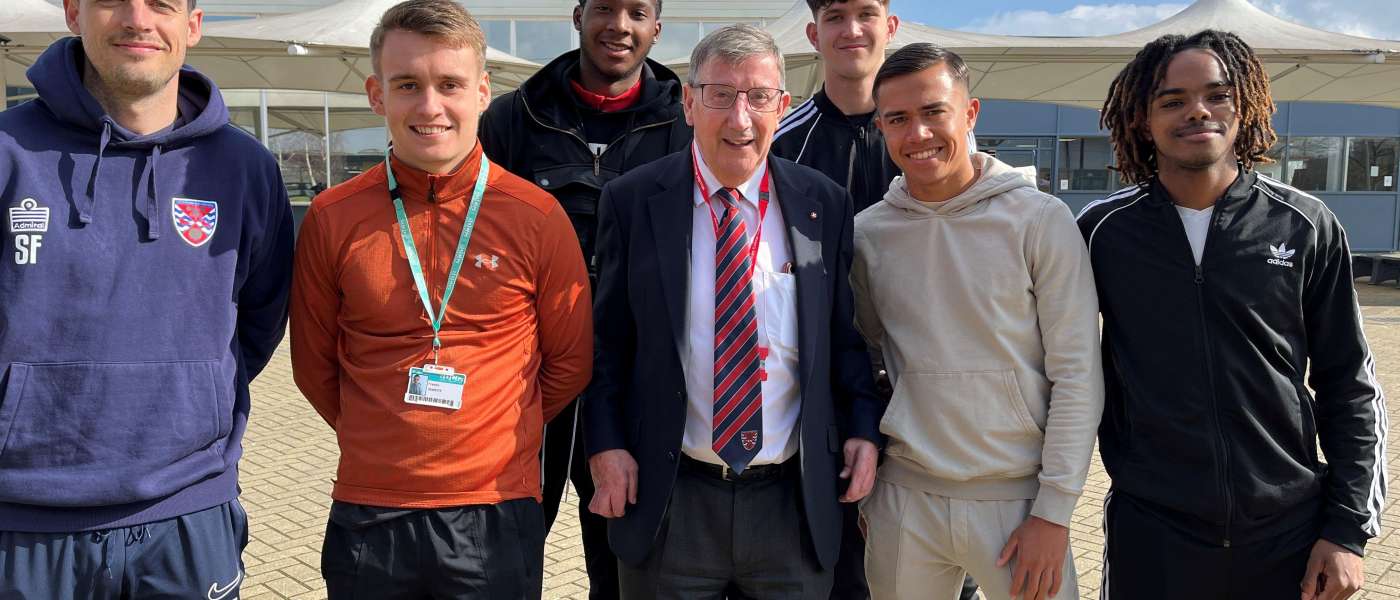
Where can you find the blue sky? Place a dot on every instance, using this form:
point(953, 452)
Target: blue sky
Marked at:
point(1372, 18)
point(955, 15)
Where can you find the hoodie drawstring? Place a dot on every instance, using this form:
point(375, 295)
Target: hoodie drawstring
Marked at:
point(84, 203)
point(100, 537)
point(136, 534)
point(154, 224)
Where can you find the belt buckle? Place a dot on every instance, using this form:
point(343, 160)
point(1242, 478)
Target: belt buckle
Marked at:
point(727, 473)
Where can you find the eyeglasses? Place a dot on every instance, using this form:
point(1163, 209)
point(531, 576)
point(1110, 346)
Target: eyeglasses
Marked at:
point(722, 96)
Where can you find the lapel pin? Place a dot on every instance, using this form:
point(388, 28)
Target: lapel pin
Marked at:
point(812, 215)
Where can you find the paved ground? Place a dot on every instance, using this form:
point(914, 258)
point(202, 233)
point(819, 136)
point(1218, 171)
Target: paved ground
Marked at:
point(291, 457)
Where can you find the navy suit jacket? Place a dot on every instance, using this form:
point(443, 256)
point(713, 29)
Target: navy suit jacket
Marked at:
point(637, 400)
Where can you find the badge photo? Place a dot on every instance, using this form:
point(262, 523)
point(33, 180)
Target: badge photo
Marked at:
point(436, 386)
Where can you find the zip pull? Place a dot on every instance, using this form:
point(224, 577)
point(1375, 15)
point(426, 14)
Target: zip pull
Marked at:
point(1199, 277)
point(598, 150)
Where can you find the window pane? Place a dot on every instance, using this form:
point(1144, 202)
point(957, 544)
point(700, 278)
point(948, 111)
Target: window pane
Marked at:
point(677, 39)
point(542, 41)
point(1022, 152)
point(1084, 165)
point(497, 35)
point(245, 118)
point(15, 95)
point(302, 157)
point(1371, 164)
point(1314, 164)
point(296, 136)
point(1273, 169)
point(357, 142)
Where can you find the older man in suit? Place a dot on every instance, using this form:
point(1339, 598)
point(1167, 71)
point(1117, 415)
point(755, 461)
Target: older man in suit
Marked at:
point(732, 405)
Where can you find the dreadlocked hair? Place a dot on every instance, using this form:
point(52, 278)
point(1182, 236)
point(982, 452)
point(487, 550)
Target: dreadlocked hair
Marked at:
point(1125, 111)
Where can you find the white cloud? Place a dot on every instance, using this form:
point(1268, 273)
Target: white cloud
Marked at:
point(1370, 18)
point(1085, 19)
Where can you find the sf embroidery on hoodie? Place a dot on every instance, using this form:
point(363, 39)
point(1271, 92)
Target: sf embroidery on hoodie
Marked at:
point(29, 222)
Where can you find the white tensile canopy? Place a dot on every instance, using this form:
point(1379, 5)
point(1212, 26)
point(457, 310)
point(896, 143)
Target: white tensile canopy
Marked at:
point(26, 28)
point(1305, 64)
point(325, 49)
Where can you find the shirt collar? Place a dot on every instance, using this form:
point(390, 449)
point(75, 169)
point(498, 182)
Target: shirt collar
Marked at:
point(749, 189)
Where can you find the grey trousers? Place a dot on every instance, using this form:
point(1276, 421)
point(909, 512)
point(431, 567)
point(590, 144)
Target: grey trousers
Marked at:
point(740, 539)
point(921, 545)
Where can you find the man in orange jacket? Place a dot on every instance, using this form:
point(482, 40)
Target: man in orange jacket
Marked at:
point(441, 269)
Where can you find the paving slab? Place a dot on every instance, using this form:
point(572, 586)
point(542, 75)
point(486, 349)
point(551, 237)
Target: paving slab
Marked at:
point(290, 458)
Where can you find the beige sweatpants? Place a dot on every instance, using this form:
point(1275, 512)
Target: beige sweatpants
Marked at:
point(920, 545)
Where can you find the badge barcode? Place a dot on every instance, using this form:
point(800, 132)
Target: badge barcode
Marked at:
point(418, 399)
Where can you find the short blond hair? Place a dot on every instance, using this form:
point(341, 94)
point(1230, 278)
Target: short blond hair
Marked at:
point(445, 20)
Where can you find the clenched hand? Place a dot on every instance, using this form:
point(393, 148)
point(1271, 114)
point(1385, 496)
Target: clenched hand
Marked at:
point(861, 458)
point(1334, 573)
point(614, 482)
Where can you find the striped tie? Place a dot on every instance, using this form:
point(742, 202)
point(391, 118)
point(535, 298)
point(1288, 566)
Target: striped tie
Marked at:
point(738, 408)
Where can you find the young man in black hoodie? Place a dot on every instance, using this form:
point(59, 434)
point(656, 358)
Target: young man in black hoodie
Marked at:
point(585, 118)
point(1221, 290)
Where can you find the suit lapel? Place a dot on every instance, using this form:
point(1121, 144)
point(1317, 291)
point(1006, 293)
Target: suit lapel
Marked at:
point(671, 212)
point(804, 236)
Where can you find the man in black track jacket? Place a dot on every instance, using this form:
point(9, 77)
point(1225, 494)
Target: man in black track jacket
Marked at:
point(834, 130)
point(587, 117)
point(1232, 345)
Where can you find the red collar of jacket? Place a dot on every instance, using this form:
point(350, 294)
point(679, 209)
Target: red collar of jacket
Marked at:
point(622, 101)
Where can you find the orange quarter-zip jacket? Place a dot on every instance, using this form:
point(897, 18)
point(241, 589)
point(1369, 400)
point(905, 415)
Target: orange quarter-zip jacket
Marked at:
point(518, 325)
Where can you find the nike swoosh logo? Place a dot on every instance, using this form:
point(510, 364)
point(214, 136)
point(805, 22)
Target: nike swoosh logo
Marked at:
point(218, 593)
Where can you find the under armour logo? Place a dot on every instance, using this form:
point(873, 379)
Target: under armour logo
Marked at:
point(491, 261)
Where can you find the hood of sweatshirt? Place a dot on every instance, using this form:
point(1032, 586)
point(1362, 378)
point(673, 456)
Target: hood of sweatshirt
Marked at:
point(994, 179)
point(58, 77)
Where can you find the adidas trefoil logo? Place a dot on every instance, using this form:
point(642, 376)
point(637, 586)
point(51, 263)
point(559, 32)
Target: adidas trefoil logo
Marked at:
point(1281, 255)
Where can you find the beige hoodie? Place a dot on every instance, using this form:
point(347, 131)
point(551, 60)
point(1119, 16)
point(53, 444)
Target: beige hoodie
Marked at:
point(985, 310)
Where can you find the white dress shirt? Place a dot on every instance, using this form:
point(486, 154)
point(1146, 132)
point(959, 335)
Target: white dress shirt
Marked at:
point(775, 302)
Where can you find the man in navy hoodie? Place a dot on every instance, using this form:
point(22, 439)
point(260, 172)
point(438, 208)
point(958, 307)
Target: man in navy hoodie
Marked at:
point(144, 272)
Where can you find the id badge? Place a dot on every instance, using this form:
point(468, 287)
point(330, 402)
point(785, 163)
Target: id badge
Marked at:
point(434, 385)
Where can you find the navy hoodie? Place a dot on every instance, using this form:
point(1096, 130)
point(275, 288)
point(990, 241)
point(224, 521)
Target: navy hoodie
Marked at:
point(143, 283)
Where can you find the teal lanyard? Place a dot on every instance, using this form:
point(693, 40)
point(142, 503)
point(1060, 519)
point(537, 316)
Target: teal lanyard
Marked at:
point(457, 259)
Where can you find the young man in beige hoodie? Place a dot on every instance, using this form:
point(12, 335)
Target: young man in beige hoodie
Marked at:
point(977, 289)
